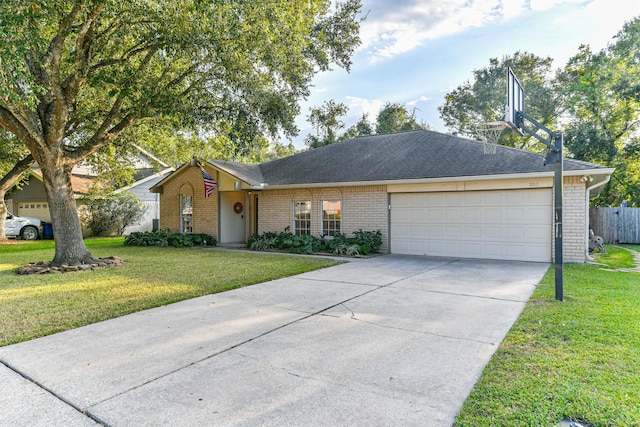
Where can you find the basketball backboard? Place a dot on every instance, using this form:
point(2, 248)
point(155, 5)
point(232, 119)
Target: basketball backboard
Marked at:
point(515, 102)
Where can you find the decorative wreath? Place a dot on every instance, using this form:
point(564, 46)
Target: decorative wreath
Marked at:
point(237, 208)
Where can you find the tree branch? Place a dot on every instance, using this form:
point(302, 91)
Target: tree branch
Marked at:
point(98, 141)
point(14, 174)
point(12, 123)
point(84, 43)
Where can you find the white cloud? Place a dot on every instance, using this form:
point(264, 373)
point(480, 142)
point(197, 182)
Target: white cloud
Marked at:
point(394, 28)
point(414, 102)
point(358, 106)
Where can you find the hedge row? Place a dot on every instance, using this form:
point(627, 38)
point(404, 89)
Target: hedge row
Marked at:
point(362, 243)
point(166, 238)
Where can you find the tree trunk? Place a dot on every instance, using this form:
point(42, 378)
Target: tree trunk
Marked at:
point(3, 215)
point(67, 231)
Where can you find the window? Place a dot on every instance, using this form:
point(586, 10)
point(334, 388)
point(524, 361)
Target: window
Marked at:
point(186, 213)
point(330, 217)
point(302, 218)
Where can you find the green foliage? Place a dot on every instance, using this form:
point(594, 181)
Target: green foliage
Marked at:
point(108, 213)
point(362, 243)
point(76, 75)
point(166, 238)
point(146, 238)
point(327, 123)
point(361, 128)
point(394, 117)
point(600, 90)
point(482, 98)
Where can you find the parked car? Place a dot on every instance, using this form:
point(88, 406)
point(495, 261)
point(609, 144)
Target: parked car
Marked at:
point(27, 227)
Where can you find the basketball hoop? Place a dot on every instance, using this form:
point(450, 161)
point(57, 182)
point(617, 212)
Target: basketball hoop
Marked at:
point(490, 133)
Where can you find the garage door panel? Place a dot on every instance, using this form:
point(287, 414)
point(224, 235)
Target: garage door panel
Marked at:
point(501, 224)
point(492, 198)
point(417, 230)
point(452, 199)
point(434, 231)
point(453, 249)
point(491, 232)
point(490, 215)
point(514, 252)
point(515, 199)
point(535, 215)
point(454, 214)
point(433, 247)
point(472, 250)
point(416, 216)
point(515, 215)
point(434, 215)
point(539, 197)
point(538, 234)
point(472, 231)
point(452, 231)
point(514, 233)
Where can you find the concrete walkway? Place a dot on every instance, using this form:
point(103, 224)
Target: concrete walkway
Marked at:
point(385, 341)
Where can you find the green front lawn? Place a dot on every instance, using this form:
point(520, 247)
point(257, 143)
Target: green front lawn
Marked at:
point(578, 359)
point(37, 305)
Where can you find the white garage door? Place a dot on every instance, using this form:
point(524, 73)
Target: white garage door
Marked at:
point(498, 224)
point(38, 210)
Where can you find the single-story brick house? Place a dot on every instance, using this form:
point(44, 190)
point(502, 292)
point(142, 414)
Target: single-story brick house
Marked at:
point(429, 193)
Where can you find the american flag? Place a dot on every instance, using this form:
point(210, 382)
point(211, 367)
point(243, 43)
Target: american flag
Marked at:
point(209, 183)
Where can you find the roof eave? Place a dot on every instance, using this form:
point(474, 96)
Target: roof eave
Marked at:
point(531, 175)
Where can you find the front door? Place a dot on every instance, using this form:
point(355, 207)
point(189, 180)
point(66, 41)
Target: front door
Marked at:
point(233, 212)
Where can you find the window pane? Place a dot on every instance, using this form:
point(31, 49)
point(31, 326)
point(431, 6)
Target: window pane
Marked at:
point(186, 213)
point(302, 218)
point(331, 217)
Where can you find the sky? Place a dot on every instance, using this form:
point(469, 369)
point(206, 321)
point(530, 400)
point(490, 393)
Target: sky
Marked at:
point(414, 52)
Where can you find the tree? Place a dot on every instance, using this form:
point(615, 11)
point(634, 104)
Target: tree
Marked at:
point(394, 117)
point(76, 74)
point(483, 99)
point(600, 92)
point(361, 128)
point(327, 123)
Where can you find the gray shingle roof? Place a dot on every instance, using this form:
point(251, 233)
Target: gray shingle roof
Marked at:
point(400, 156)
point(247, 172)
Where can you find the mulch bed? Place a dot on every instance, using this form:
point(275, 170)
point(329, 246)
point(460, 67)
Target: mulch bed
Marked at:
point(46, 267)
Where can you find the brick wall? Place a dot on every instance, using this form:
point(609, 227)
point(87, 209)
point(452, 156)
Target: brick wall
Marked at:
point(573, 221)
point(362, 208)
point(205, 209)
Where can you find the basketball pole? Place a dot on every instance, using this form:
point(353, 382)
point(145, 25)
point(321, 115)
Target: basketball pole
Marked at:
point(554, 155)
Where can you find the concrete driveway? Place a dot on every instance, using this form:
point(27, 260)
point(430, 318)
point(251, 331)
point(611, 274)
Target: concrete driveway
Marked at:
point(385, 341)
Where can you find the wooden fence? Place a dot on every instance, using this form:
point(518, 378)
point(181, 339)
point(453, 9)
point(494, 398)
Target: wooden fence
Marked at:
point(616, 225)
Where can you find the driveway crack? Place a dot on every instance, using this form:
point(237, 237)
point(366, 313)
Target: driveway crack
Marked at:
point(433, 334)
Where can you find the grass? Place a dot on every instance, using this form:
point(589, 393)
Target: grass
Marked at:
point(578, 359)
point(37, 305)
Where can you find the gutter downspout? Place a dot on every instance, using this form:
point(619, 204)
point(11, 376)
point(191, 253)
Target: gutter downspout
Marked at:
point(587, 256)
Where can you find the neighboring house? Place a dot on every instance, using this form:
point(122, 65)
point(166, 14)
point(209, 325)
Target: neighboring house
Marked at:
point(429, 194)
point(31, 199)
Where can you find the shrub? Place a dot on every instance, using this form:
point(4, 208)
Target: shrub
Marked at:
point(363, 242)
point(165, 238)
point(107, 213)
